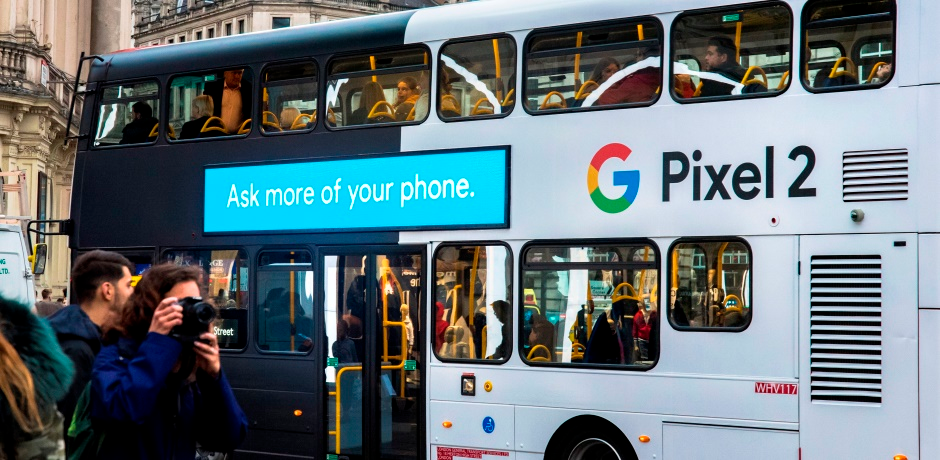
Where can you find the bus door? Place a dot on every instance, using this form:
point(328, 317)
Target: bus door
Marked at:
point(373, 302)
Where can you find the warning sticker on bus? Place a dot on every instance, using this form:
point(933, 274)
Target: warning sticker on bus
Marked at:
point(775, 388)
point(461, 453)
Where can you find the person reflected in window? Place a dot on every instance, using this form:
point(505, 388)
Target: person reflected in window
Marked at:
point(372, 94)
point(882, 73)
point(501, 310)
point(344, 350)
point(138, 131)
point(408, 94)
point(200, 110)
point(235, 96)
point(720, 58)
point(639, 86)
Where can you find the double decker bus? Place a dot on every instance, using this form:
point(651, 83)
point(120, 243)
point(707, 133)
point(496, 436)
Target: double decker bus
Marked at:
point(548, 229)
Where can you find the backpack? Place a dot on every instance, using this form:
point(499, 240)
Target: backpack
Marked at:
point(85, 438)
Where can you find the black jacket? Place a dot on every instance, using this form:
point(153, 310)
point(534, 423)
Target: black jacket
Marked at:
point(138, 131)
point(80, 339)
point(714, 88)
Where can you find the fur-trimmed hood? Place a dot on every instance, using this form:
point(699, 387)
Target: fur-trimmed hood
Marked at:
point(36, 343)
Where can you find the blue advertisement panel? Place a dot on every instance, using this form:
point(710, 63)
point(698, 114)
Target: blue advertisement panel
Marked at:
point(466, 189)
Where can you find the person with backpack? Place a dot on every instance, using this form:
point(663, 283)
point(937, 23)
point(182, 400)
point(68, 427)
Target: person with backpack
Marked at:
point(155, 392)
point(34, 373)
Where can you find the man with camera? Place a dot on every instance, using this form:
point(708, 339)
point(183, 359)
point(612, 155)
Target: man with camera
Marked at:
point(157, 386)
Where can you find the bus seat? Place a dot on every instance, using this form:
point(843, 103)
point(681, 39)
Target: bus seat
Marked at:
point(153, 132)
point(547, 104)
point(411, 115)
point(171, 132)
point(585, 90)
point(213, 127)
point(245, 128)
point(301, 121)
point(508, 100)
point(540, 348)
point(630, 293)
point(453, 109)
point(486, 109)
point(784, 80)
point(698, 89)
point(837, 77)
point(376, 115)
point(269, 120)
point(875, 69)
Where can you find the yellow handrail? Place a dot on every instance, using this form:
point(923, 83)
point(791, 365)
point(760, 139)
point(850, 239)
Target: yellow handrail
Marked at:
point(499, 70)
point(745, 81)
point(484, 111)
point(273, 124)
point(375, 78)
point(153, 132)
point(581, 94)
point(720, 263)
point(698, 89)
point(632, 295)
point(450, 97)
point(374, 113)
point(411, 114)
point(547, 105)
point(577, 61)
point(473, 284)
point(508, 99)
point(299, 123)
point(539, 347)
point(783, 81)
point(875, 69)
point(244, 128)
point(206, 128)
point(849, 68)
point(737, 300)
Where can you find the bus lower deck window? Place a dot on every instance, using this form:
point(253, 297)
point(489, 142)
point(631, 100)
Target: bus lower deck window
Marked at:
point(710, 285)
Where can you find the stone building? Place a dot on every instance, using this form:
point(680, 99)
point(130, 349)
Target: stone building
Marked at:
point(161, 22)
point(40, 45)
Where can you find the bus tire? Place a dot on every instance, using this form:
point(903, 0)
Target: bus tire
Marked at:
point(589, 438)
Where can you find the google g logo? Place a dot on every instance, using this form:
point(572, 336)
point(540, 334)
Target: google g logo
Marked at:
point(630, 179)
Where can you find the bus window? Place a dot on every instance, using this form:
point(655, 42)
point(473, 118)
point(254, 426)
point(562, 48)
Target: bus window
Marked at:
point(477, 78)
point(381, 88)
point(285, 301)
point(128, 114)
point(614, 64)
point(709, 285)
point(590, 305)
point(742, 51)
point(472, 304)
point(226, 282)
point(213, 104)
point(289, 101)
point(863, 28)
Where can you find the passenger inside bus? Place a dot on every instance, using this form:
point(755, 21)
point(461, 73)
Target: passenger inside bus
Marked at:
point(344, 350)
point(541, 339)
point(138, 130)
point(720, 59)
point(638, 86)
point(370, 100)
point(407, 96)
point(234, 92)
point(201, 110)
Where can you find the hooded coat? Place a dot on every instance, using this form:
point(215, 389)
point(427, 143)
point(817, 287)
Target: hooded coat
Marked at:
point(80, 339)
point(51, 370)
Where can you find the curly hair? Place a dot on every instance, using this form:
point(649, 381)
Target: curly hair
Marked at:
point(152, 288)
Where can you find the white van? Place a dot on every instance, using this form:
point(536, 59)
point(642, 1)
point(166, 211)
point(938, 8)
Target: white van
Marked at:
point(16, 275)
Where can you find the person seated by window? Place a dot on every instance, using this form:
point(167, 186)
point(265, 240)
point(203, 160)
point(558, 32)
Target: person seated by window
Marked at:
point(882, 73)
point(604, 69)
point(235, 96)
point(372, 94)
point(720, 59)
point(200, 110)
point(542, 333)
point(287, 117)
point(448, 103)
point(138, 131)
point(408, 94)
point(639, 86)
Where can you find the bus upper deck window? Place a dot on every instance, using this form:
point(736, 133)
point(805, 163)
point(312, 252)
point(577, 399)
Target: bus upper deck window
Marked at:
point(210, 104)
point(710, 285)
point(380, 88)
point(477, 78)
point(128, 114)
point(593, 66)
point(849, 44)
point(289, 101)
point(732, 53)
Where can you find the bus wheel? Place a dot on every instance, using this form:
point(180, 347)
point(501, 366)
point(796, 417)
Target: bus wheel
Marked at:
point(589, 438)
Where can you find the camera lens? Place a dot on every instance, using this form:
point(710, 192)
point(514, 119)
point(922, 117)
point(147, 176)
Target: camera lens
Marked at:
point(204, 313)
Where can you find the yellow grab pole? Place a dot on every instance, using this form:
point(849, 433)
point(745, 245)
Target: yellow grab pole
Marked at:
point(499, 70)
point(292, 287)
point(639, 31)
point(589, 314)
point(372, 63)
point(473, 282)
point(577, 64)
point(737, 41)
point(721, 254)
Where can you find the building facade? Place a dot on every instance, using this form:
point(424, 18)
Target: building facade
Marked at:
point(162, 22)
point(40, 45)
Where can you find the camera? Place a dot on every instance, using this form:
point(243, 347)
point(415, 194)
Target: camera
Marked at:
point(197, 317)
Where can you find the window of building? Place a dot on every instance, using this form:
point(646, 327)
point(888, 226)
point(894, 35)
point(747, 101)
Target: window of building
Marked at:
point(732, 53)
point(476, 78)
point(228, 29)
point(280, 23)
point(127, 114)
point(472, 306)
point(214, 104)
point(710, 285)
point(226, 283)
point(850, 43)
point(590, 66)
point(591, 305)
point(210, 32)
point(292, 98)
point(363, 90)
point(169, 41)
point(285, 301)
point(241, 26)
point(198, 35)
point(42, 204)
point(181, 38)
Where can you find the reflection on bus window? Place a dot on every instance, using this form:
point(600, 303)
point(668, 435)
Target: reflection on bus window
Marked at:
point(471, 306)
point(289, 101)
point(595, 305)
point(210, 104)
point(477, 78)
point(128, 114)
point(592, 66)
point(710, 285)
point(285, 301)
point(849, 43)
point(738, 52)
point(365, 90)
point(226, 280)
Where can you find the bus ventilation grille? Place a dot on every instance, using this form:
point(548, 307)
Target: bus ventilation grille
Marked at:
point(879, 175)
point(845, 329)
